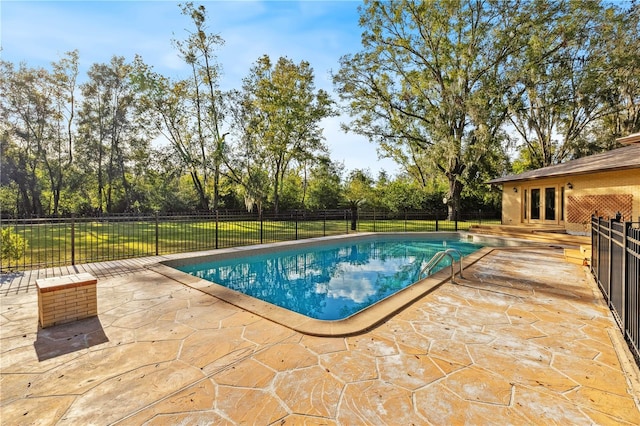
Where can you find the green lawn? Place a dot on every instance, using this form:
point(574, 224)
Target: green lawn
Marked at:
point(50, 244)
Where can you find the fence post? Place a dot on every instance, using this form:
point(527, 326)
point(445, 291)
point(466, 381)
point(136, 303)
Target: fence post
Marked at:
point(436, 221)
point(346, 221)
point(324, 223)
point(594, 247)
point(296, 213)
point(374, 220)
point(73, 239)
point(625, 236)
point(157, 232)
point(405, 221)
point(261, 225)
point(455, 216)
point(610, 265)
point(216, 236)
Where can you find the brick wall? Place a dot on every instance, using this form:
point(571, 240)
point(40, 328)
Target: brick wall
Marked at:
point(605, 192)
point(65, 299)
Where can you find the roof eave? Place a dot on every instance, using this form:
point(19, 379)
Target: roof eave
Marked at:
point(627, 140)
point(517, 178)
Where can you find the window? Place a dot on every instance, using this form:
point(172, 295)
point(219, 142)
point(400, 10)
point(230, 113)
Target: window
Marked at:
point(525, 202)
point(535, 204)
point(549, 204)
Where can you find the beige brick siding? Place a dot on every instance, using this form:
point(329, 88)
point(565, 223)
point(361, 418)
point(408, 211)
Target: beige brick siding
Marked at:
point(605, 193)
point(66, 299)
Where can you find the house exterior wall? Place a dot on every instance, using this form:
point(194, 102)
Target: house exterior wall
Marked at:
point(511, 203)
point(606, 192)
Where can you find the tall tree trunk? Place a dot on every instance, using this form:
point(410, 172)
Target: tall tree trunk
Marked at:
point(455, 190)
point(100, 181)
point(204, 203)
point(203, 153)
point(110, 182)
point(276, 194)
point(453, 173)
point(354, 216)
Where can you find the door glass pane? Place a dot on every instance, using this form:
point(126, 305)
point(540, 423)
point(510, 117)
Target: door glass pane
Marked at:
point(535, 204)
point(549, 204)
point(562, 203)
point(526, 205)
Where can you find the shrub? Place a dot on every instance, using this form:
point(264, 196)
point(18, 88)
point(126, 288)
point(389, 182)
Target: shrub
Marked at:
point(12, 245)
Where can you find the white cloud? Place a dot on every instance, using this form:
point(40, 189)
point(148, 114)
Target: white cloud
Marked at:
point(359, 282)
point(356, 289)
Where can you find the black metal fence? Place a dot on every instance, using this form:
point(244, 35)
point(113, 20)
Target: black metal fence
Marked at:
point(615, 264)
point(43, 243)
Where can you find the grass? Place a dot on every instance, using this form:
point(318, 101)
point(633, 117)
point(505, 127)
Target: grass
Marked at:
point(50, 244)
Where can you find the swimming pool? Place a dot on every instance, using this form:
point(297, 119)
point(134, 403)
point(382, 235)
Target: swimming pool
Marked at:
point(332, 280)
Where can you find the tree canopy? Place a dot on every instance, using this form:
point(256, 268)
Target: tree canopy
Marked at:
point(455, 92)
point(440, 84)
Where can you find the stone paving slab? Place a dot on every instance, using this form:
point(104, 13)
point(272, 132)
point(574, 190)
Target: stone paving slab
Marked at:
point(525, 339)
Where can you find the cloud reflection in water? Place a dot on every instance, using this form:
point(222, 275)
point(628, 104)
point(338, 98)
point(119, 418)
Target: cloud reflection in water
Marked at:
point(328, 282)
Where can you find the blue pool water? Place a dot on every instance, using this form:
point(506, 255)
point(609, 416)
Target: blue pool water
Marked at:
point(329, 282)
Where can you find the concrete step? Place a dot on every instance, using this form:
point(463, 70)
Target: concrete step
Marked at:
point(521, 228)
point(552, 236)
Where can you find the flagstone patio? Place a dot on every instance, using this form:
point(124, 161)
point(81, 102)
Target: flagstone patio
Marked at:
point(524, 338)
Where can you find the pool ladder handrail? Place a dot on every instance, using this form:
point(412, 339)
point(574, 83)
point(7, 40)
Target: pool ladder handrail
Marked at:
point(437, 258)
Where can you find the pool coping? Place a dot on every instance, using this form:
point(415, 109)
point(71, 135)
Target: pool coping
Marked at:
point(357, 323)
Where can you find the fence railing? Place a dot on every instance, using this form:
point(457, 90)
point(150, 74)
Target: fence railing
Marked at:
point(68, 241)
point(615, 264)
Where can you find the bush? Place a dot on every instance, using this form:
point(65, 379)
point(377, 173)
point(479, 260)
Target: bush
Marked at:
point(12, 245)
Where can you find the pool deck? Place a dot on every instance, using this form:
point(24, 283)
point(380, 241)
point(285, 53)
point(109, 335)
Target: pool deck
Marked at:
point(524, 338)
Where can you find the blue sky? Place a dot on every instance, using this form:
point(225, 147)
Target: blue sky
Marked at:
point(320, 32)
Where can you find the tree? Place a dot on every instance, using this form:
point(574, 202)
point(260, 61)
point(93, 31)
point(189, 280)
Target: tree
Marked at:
point(63, 81)
point(293, 191)
point(325, 188)
point(170, 104)
point(26, 111)
point(13, 178)
point(246, 160)
point(620, 43)
point(278, 118)
point(557, 79)
point(111, 134)
point(426, 72)
point(402, 194)
point(198, 51)
point(39, 113)
point(358, 189)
